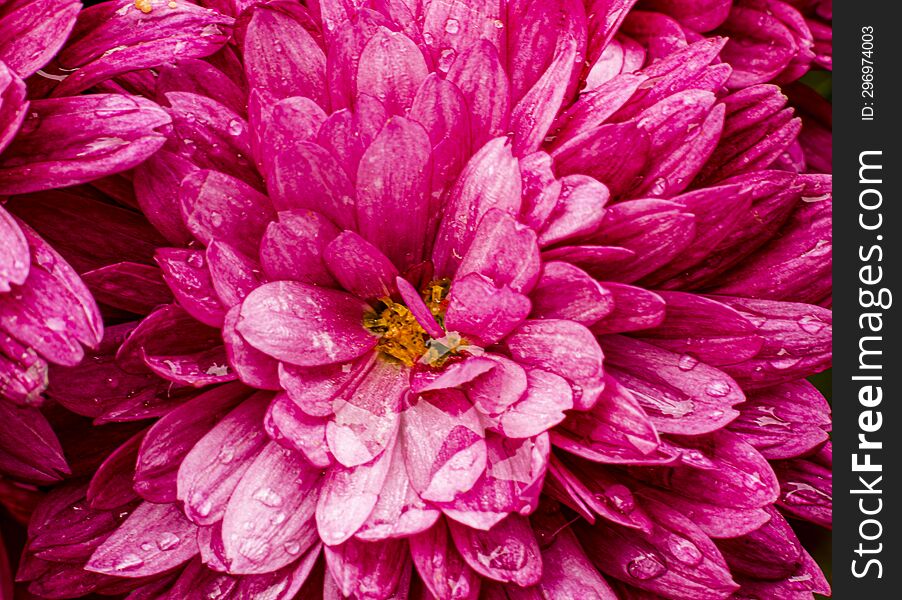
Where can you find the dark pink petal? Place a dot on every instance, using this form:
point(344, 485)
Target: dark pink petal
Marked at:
point(33, 32)
point(14, 255)
point(314, 388)
point(24, 372)
point(277, 497)
point(275, 315)
point(504, 251)
point(211, 470)
point(566, 570)
point(306, 175)
point(661, 35)
point(360, 267)
point(13, 105)
point(719, 467)
point(112, 133)
point(29, 448)
point(678, 396)
point(441, 109)
point(490, 180)
point(154, 538)
point(634, 309)
point(483, 312)
point(288, 121)
point(566, 292)
point(715, 519)
point(189, 279)
point(391, 68)
point(367, 416)
point(348, 497)
point(674, 559)
point(579, 210)
point(511, 483)
point(481, 78)
point(564, 348)
point(784, 421)
point(770, 552)
point(128, 286)
point(615, 430)
point(281, 57)
point(700, 15)
point(287, 424)
point(702, 329)
point(234, 274)
point(540, 408)
point(376, 569)
point(198, 369)
point(807, 578)
point(508, 552)
point(797, 341)
point(283, 584)
point(444, 445)
point(65, 527)
point(170, 439)
point(417, 306)
point(196, 578)
point(441, 566)
point(604, 19)
point(347, 133)
point(347, 40)
point(593, 259)
point(111, 485)
point(253, 367)
point(117, 37)
point(294, 246)
point(157, 182)
point(218, 206)
point(201, 77)
point(452, 29)
point(399, 511)
point(592, 109)
point(806, 487)
point(53, 312)
point(392, 191)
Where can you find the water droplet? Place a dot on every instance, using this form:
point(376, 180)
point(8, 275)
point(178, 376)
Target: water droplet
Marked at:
point(292, 548)
point(811, 324)
point(128, 562)
point(55, 324)
point(803, 494)
point(235, 127)
point(429, 39)
point(446, 59)
point(644, 567)
point(687, 362)
point(718, 389)
point(196, 260)
point(499, 24)
point(215, 219)
point(785, 362)
point(452, 26)
point(268, 496)
point(684, 551)
point(658, 186)
point(168, 541)
point(226, 454)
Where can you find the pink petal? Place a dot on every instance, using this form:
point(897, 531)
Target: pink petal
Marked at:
point(541, 407)
point(187, 276)
point(33, 32)
point(129, 286)
point(360, 267)
point(156, 183)
point(391, 68)
point(418, 308)
point(507, 553)
point(287, 424)
point(441, 109)
point(441, 566)
point(234, 274)
point(14, 255)
point(314, 388)
point(275, 315)
point(504, 251)
point(253, 367)
point(111, 485)
point(483, 312)
point(453, 28)
point(481, 78)
point(380, 569)
point(566, 292)
point(293, 247)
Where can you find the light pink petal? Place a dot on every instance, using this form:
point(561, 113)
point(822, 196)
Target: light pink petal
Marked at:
point(269, 519)
point(253, 367)
point(170, 439)
point(504, 251)
point(453, 375)
point(481, 78)
point(441, 567)
point(234, 275)
point(579, 210)
point(211, 470)
point(360, 267)
point(314, 388)
point(375, 569)
point(275, 315)
point(540, 408)
point(566, 292)
point(154, 538)
point(444, 446)
point(14, 256)
point(293, 247)
point(287, 424)
point(482, 312)
point(186, 273)
point(367, 417)
point(507, 553)
point(391, 68)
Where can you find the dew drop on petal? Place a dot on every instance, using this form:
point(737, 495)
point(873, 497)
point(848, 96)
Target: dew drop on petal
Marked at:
point(55, 324)
point(452, 26)
point(268, 496)
point(644, 567)
point(226, 454)
point(446, 59)
point(687, 362)
point(811, 324)
point(129, 562)
point(168, 541)
point(235, 127)
point(718, 389)
point(684, 551)
point(292, 548)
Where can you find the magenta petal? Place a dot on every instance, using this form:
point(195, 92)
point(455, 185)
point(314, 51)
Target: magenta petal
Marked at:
point(367, 416)
point(115, 38)
point(252, 366)
point(483, 312)
point(441, 109)
point(806, 487)
point(540, 408)
point(282, 58)
point(287, 424)
point(771, 552)
point(275, 315)
point(348, 497)
point(418, 307)
point(211, 470)
point(470, 25)
point(129, 286)
point(377, 569)
point(399, 511)
point(504, 251)
point(154, 538)
point(393, 191)
point(277, 496)
point(347, 133)
point(234, 274)
point(201, 77)
point(496, 390)
point(391, 68)
point(294, 246)
point(14, 255)
point(566, 292)
point(170, 439)
point(13, 105)
point(579, 210)
point(48, 152)
point(218, 206)
point(111, 485)
point(444, 445)
point(716, 520)
point(481, 78)
point(452, 375)
point(33, 32)
point(314, 388)
point(287, 582)
point(187, 276)
point(490, 180)
point(441, 567)
point(346, 40)
point(508, 552)
point(564, 348)
point(156, 183)
point(360, 267)
point(29, 448)
point(277, 126)
point(680, 395)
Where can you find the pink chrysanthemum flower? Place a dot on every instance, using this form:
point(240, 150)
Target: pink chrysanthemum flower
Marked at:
point(428, 299)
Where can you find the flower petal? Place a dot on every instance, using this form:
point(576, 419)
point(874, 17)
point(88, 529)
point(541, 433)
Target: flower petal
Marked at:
point(508, 552)
point(360, 267)
point(33, 32)
point(440, 565)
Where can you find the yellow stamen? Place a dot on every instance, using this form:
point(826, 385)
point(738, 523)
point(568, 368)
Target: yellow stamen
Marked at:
point(144, 6)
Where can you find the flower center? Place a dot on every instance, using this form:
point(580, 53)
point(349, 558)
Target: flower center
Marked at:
point(403, 338)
